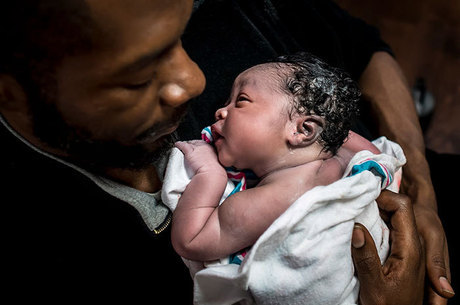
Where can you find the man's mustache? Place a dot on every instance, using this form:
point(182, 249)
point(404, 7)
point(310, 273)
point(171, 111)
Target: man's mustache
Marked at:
point(161, 129)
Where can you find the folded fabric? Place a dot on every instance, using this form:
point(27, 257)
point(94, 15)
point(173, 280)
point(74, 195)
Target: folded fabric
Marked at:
point(304, 257)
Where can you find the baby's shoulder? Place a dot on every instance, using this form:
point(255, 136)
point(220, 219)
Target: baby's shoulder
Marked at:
point(305, 172)
point(331, 170)
point(308, 175)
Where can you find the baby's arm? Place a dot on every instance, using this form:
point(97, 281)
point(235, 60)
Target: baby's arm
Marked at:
point(236, 224)
point(352, 145)
point(356, 143)
point(201, 196)
point(202, 230)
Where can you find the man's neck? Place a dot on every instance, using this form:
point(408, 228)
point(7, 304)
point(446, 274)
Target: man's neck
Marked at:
point(145, 180)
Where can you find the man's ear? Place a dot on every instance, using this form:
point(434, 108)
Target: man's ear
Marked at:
point(307, 130)
point(14, 105)
point(12, 95)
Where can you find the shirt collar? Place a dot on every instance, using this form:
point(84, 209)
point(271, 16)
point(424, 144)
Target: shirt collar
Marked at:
point(152, 211)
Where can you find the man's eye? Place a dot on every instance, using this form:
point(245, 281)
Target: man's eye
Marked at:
point(139, 86)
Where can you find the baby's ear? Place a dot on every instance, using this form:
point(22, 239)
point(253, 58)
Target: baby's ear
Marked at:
point(307, 130)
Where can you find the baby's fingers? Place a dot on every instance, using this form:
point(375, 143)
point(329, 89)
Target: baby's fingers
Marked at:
point(188, 147)
point(199, 155)
point(184, 147)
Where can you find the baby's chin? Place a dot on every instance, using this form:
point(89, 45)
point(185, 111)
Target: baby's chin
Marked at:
point(225, 162)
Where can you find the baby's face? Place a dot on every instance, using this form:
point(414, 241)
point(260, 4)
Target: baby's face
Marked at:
point(249, 132)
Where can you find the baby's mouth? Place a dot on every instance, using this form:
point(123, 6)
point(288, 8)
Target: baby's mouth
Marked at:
point(215, 133)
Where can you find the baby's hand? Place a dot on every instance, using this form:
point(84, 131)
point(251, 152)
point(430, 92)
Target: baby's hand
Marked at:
point(200, 156)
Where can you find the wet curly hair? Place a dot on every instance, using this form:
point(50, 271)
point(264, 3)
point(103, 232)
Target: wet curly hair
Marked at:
point(317, 88)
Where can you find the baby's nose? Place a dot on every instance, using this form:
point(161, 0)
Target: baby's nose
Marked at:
point(221, 113)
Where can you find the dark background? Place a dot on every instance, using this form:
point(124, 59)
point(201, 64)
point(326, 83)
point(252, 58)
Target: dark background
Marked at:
point(425, 37)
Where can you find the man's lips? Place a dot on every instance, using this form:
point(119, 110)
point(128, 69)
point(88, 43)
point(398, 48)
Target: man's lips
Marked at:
point(156, 132)
point(163, 129)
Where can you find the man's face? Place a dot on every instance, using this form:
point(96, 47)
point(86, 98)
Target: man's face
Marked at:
point(119, 101)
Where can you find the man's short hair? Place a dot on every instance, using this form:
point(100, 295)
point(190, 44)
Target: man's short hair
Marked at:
point(37, 34)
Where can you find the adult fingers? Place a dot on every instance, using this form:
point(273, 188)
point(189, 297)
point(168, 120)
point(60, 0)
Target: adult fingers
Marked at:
point(406, 251)
point(365, 258)
point(437, 262)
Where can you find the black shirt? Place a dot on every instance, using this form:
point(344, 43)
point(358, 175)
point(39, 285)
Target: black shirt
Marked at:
point(63, 238)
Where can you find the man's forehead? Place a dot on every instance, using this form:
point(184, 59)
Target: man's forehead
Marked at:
point(152, 17)
point(135, 5)
point(132, 33)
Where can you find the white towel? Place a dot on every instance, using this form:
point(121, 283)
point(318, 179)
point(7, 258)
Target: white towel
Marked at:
point(304, 257)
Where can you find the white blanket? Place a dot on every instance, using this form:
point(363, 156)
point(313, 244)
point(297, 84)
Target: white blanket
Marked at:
point(304, 257)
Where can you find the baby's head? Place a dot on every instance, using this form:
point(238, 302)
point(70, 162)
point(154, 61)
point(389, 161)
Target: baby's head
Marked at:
point(293, 102)
point(315, 88)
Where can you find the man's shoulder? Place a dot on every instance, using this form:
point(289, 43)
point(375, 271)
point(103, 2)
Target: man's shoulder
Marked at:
point(58, 224)
point(29, 177)
point(24, 168)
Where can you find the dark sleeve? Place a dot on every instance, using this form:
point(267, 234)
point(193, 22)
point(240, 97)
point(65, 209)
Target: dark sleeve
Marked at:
point(325, 29)
point(64, 236)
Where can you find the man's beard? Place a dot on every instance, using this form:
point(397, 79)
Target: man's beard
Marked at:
point(98, 155)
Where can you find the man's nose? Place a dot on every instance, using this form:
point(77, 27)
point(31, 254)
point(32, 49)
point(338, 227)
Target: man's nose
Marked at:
point(183, 79)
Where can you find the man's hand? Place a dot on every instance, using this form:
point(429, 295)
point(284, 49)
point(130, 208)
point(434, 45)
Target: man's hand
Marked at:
point(401, 279)
point(390, 102)
point(437, 257)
